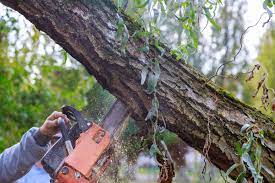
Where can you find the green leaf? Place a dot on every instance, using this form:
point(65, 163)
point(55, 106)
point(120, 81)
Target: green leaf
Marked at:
point(154, 150)
point(195, 39)
point(65, 56)
point(163, 7)
point(258, 152)
point(238, 149)
point(247, 146)
point(153, 78)
point(119, 3)
point(245, 127)
point(140, 34)
point(156, 15)
point(140, 4)
point(154, 109)
point(210, 19)
point(124, 39)
point(261, 134)
point(144, 74)
point(246, 158)
point(120, 27)
point(122, 33)
point(266, 5)
point(145, 48)
point(161, 49)
point(152, 82)
point(156, 68)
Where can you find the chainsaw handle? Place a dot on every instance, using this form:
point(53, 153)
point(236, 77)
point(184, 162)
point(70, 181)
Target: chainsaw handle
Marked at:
point(65, 134)
point(76, 116)
point(63, 128)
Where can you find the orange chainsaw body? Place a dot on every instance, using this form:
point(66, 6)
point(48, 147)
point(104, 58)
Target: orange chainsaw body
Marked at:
point(88, 160)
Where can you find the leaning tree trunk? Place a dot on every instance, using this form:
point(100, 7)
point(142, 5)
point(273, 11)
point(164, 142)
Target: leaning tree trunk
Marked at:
point(191, 108)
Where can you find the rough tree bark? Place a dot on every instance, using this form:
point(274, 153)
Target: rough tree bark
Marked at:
point(190, 108)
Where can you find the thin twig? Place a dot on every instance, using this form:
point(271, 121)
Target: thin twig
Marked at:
point(239, 50)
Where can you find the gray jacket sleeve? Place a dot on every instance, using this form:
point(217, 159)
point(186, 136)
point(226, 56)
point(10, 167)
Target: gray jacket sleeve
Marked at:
point(17, 160)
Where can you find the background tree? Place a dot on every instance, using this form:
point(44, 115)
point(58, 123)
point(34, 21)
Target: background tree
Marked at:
point(34, 79)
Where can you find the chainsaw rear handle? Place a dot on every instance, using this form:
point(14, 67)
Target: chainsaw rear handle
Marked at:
point(76, 116)
point(63, 128)
point(65, 134)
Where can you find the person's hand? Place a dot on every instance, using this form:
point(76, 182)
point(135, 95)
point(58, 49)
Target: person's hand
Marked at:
point(50, 126)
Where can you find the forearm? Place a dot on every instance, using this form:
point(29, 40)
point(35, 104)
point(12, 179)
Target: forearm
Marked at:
point(17, 160)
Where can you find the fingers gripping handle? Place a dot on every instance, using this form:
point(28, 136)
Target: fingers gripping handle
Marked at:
point(65, 134)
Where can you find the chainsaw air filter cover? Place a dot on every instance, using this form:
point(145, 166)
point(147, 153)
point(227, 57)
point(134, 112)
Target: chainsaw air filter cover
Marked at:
point(88, 160)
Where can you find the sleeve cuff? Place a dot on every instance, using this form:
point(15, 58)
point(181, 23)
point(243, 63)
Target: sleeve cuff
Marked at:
point(41, 139)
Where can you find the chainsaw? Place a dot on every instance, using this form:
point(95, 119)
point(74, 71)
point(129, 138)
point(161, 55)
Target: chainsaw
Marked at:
point(83, 152)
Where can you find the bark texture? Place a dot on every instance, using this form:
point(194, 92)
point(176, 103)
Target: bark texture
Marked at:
point(192, 109)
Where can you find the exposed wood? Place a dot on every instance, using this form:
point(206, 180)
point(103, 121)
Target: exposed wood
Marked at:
point(189, 107)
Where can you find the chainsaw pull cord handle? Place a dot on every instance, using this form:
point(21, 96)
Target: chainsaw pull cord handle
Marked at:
point(65, 134)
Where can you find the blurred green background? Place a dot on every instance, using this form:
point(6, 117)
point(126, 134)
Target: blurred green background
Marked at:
point(36, 78)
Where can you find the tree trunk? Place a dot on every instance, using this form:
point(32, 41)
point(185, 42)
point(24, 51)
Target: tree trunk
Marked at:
point(194, 110)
